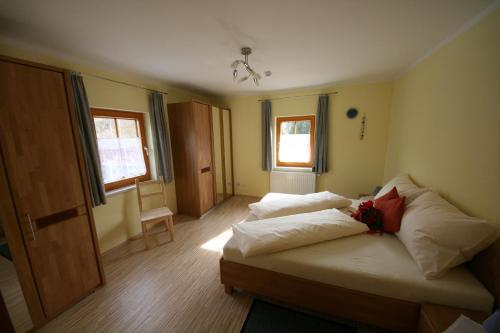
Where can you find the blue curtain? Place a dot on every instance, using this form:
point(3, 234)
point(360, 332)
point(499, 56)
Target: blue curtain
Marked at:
point(88, 141)
point(161, 137)
point(321, 136)
point(267, 121)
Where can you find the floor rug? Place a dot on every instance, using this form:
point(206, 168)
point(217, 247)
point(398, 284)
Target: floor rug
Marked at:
point(264, 317)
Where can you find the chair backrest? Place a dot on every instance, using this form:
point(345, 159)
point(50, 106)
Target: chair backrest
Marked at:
point(142, 195)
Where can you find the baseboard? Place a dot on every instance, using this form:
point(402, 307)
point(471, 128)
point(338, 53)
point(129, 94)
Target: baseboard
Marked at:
point(130, 239)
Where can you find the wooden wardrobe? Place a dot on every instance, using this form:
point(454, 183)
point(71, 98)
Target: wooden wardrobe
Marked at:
point(190, 126)
point(45, 202)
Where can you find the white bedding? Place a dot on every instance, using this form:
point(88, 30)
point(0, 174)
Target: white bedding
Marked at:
point(379, 265)
point(297, 204)
point(288, 232)
point(277, 196)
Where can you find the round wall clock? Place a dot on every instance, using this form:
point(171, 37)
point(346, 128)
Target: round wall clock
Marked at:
point(352, 113)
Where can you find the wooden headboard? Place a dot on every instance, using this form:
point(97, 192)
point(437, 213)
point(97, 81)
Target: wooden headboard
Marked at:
point(486, 267)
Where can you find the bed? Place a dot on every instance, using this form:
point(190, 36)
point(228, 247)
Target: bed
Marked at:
point(367, 278)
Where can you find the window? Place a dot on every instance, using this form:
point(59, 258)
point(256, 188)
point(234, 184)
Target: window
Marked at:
point(295, 141)
point(122, 147)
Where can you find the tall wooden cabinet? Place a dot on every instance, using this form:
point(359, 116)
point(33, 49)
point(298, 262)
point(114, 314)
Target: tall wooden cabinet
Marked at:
point(45, 203)
point(192, 151)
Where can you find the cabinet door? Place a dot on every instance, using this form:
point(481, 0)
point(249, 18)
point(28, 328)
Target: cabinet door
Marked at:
point(41, 162)
point(228, 158)
point(206, 175)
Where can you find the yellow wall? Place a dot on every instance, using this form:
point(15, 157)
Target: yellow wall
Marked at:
point(445, 121)
point(118, 220)
point(355, 166)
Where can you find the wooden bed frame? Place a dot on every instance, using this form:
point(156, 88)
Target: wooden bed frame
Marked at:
point(380, 311)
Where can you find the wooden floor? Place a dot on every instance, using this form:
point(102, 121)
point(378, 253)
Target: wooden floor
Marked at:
point(174, 287)
point(171, 288)
point(13, 296)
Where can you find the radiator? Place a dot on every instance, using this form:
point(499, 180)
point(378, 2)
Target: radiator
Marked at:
point(293, 182)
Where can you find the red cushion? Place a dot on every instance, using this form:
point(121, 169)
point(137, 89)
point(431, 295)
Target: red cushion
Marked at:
point(392, 211)
point(392, 194)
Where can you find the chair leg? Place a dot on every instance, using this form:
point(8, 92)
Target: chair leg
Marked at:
point(145, 235)
point(167, 225)
point(171, 225)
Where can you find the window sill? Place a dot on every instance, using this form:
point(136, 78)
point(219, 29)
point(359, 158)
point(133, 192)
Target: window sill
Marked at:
point(120, 190)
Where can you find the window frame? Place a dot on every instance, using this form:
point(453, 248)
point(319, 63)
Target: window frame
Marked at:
point(279, 120)
point(115, 114)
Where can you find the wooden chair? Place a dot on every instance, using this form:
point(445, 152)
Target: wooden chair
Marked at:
point(156, 215)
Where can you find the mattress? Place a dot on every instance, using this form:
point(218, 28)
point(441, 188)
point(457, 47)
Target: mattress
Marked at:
point(374, 264)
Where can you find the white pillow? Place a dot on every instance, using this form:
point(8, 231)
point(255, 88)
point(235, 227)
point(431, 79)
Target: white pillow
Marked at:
point(298, 204)
point(405, 186)
point(288, 232)
point(439, 236)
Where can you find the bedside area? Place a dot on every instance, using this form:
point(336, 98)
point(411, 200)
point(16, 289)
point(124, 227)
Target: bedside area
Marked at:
point(437, 318)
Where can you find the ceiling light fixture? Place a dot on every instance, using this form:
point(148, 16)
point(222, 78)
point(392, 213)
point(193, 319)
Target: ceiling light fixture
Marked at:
point(246, 51)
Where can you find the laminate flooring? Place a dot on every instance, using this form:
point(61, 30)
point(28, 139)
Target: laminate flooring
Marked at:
point(174, 287)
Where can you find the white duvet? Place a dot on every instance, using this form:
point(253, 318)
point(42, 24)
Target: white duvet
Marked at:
point(287, 232)
point(298, 204)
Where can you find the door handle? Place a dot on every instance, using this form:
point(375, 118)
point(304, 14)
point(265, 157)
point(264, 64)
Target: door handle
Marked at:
point(28, 217)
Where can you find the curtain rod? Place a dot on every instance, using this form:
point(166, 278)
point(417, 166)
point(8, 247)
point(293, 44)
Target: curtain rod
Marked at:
point(278, 98)
point(124, 83)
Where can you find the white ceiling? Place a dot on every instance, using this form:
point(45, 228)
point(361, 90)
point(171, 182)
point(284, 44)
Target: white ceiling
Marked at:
point(192, 43)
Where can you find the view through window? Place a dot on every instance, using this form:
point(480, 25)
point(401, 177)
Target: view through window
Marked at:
point(122, 147)
point(295, 141)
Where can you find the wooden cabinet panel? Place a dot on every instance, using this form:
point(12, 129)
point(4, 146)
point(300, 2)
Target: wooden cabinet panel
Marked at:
point(203, 120)
point(47, 184)
point(18, 250)
point(63, 261)
point(203, 126)
point(206, 191)
point(223, 156)
point(190, 126)
point(184, 146)
point(37, 141)
point(228, 151)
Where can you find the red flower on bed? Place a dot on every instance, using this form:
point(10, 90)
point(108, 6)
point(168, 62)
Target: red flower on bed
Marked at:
point(371, 216)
